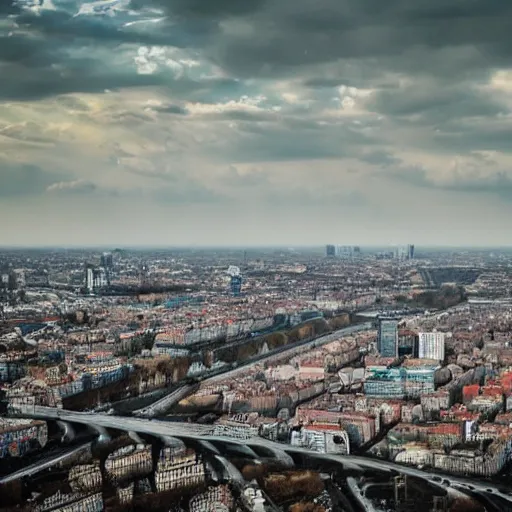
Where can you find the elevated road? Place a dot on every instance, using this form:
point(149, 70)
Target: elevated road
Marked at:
point(194, 432)
point(165, 403)
point(46, 464)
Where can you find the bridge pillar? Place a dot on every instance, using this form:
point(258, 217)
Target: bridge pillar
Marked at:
point(133, 435)
point(102, 432)
point(171, 441)
point(68, 432)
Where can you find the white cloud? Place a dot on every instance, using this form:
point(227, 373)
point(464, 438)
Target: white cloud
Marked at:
point(151, 59)
point(76, 186)
point(244, 104)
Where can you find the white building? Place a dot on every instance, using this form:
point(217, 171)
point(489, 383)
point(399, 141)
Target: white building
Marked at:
point(89, 279)
point(431, 345)
point(323, 440)
point(95, 278)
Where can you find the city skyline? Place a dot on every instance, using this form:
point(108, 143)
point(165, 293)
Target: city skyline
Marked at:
point(186, 123)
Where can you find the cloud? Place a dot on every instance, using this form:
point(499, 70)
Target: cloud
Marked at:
point(23, 180)
point(292, 36)
point(72, 187)
point(194, 109)
point(170, 109)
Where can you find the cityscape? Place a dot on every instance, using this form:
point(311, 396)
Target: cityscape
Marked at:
point(255, 256)
point(291, 379)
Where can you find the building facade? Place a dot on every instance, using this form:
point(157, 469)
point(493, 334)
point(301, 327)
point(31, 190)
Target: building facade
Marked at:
point(387, 341)
point(431, 345)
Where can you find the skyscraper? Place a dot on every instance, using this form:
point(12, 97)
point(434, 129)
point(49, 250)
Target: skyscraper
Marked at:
point(330, 251)
point(387, 341)
point(144, 275)
point(95, 278)
point(404, 252)
point(107, 261)
point(342, 251)
point(89, 277)
point(236, 285)
point(431, 345)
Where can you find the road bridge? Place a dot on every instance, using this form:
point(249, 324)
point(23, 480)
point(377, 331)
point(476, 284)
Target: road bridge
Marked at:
point(205, 434)
point(165, 403)
point(46, 464)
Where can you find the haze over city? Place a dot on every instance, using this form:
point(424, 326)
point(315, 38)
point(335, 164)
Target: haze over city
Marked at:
point(256, 122)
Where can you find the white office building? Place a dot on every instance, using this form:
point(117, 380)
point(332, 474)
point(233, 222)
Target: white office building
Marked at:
point(431, 345)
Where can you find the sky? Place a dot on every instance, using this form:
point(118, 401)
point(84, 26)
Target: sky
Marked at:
point(248, 122)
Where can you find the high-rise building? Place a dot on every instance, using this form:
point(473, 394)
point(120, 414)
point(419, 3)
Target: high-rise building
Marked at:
point(95, 278)
point(89, 278)
point(330, 251)
point(236, 285)
point(431, 345)
point(345, 251)
point(404, 252)
point(100, 278)
point(107, 262)
point(387, 341)
point(342, 251)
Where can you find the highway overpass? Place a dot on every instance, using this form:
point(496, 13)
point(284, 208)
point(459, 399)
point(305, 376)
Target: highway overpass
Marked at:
point(165, 403)
point(255, 447)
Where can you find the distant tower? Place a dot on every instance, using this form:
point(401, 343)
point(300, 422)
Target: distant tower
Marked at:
point(236, 285)
point(401, 252)
point(387, 341)
point(236, 280)
point(89, 278)
point(107, 262)
point(144, 275)
point(330, 251)
point(410, 252)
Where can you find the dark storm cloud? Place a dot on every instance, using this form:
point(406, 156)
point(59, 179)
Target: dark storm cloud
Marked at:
point(24, 83)
point(79, 29)
point(206, 9)
point(287, 35)
point(34, 69)
point(7, 7)
point(449, 39)
point(43, 54)
point(445, 103)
